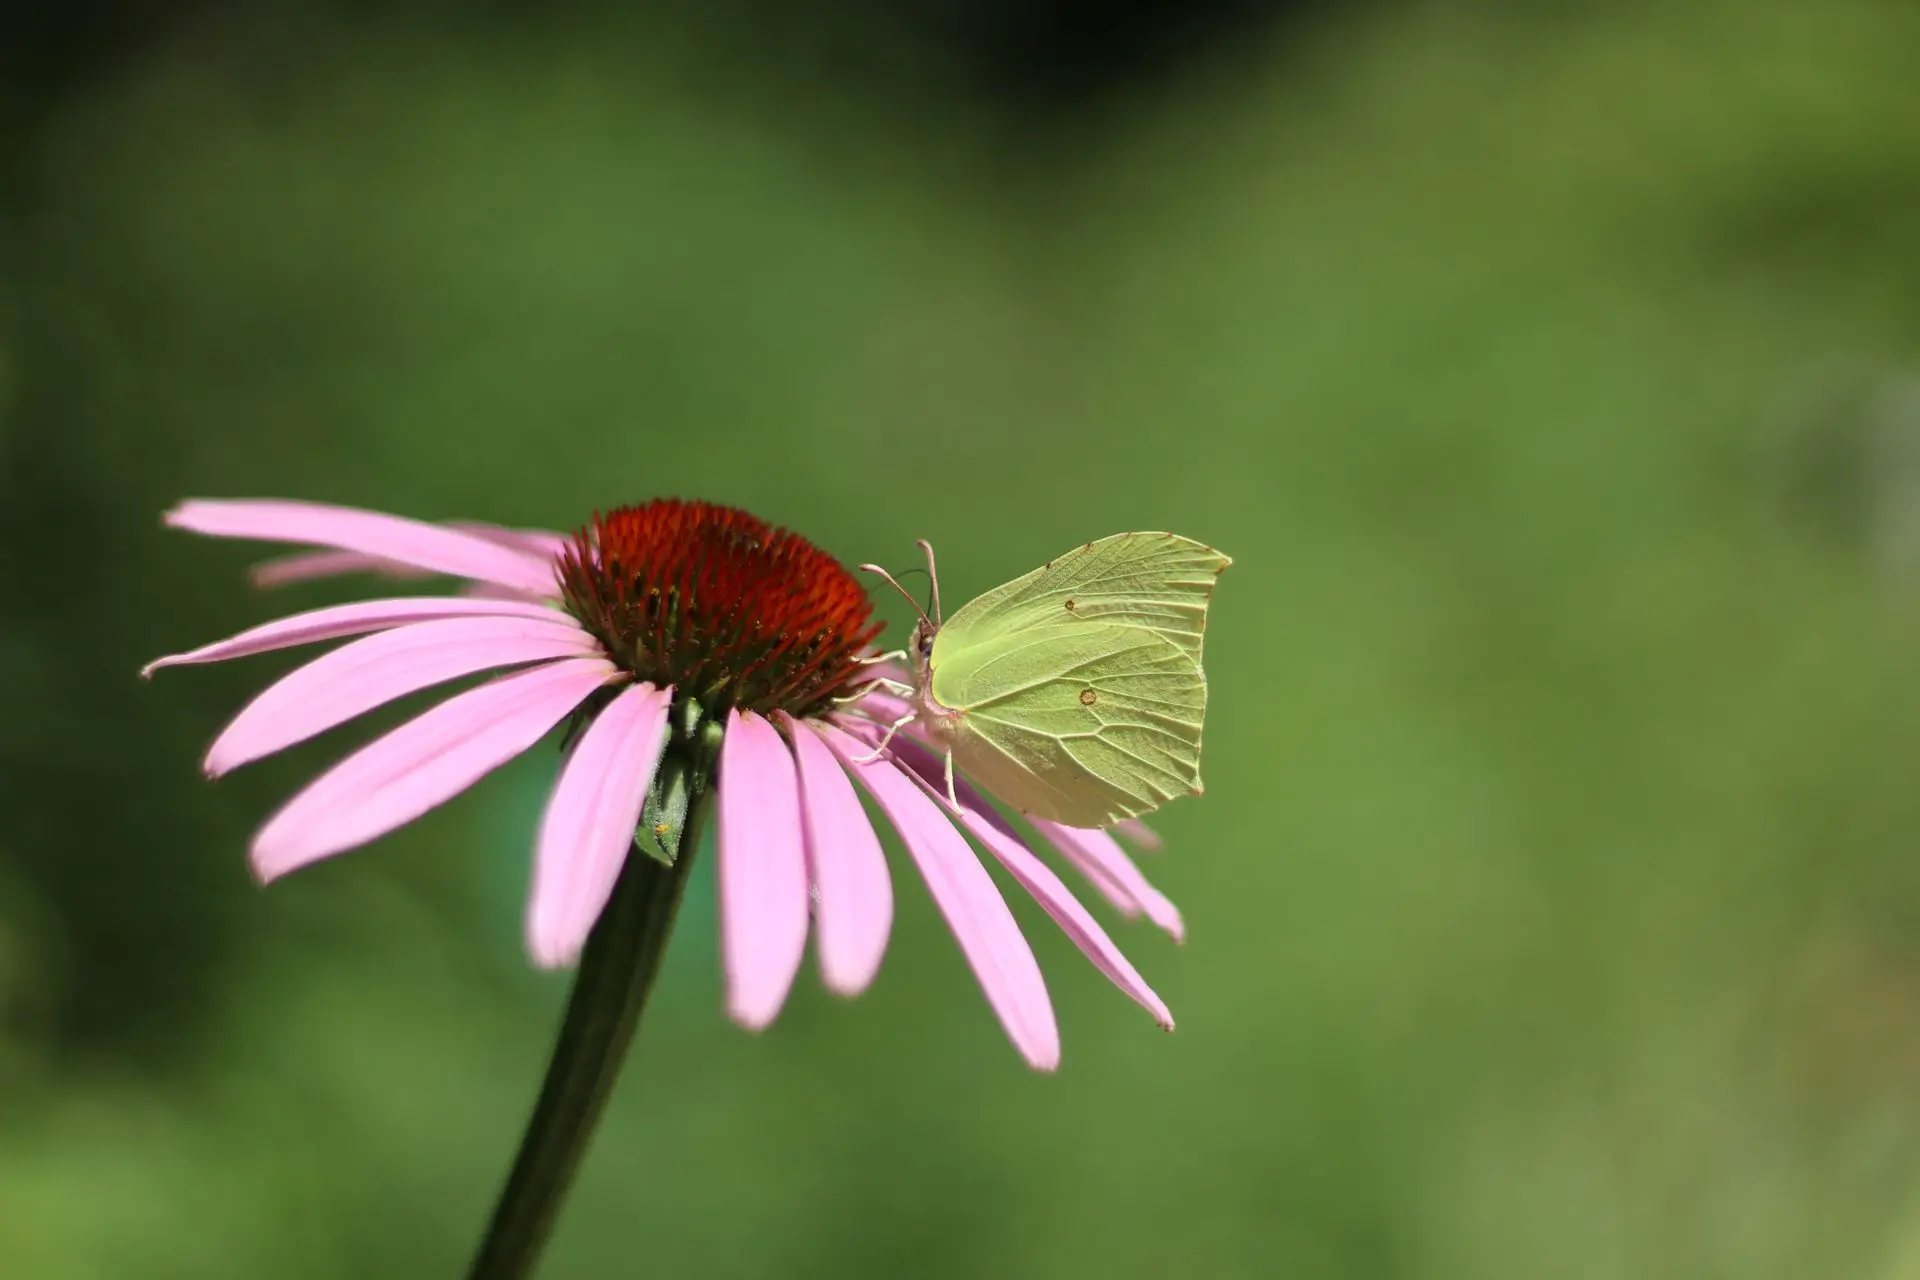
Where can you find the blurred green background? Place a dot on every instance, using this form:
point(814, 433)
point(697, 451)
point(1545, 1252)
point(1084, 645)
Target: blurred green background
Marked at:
point(1552, 374)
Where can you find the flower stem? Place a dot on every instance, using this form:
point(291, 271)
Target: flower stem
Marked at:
point(617, 969)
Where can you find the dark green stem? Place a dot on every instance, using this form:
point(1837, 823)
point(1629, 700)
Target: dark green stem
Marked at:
point(618, 966)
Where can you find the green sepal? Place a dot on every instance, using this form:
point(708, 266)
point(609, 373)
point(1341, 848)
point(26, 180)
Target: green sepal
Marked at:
point(663, 819)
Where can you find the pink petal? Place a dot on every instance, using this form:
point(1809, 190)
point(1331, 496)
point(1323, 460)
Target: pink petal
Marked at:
point(965, 893)
point(413, 542)
point(890, 671)
point(422, 764)
point(348, 620)
point(358, 677)
point(1100, 856)
point(992, 829)
point(1095, 854)
point(304, 566)
point(931, 766)
point(1140, 833)
point(763, 870)
point(590, 820)
point(1110, 889)
point(1058, 901)
point(843, 856)
point(540, 542)
point(493, 591)
point(883, 706)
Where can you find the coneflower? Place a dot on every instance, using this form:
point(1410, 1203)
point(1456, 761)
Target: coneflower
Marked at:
point(702, 659)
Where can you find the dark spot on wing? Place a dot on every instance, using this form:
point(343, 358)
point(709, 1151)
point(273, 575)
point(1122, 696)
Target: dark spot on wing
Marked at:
point(1088, 697)
point(1069, 606)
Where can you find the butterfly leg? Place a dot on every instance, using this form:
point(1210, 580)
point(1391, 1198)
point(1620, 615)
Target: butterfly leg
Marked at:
point(891, 655)
point(893, 687)
point(881, 749)
point(950, 795)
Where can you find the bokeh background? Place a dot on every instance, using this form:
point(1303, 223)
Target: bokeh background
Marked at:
point(1551, 371)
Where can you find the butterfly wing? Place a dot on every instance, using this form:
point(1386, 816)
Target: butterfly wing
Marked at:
point(1084, 723)
point(1160, 581)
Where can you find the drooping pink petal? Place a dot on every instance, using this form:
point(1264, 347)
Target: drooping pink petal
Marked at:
point(1099, 855)
point(992, 829)
point(966, 896)
point(305, 566)
point(540, 542)
point(372, 533)
point(1058, 901)
point(423, 763)
point(493, 591)
point(855, 910)
point(365, 674)
point(931, 766)
point(763, 870)
point(1093, 853)
point(588, 828)
point(1142, 835)
point(347, 620)
point(1105, 885)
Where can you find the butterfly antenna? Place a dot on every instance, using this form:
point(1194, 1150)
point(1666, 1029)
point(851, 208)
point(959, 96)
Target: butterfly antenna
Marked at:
point(890, 581)
point(933, 577)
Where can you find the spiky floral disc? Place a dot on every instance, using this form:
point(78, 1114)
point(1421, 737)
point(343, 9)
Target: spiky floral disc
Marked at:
point(719, 604)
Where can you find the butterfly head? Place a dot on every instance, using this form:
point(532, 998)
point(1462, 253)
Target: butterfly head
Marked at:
point(920, 647)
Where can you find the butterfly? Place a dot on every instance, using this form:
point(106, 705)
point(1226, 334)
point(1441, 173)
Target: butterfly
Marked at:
point(1074, 693)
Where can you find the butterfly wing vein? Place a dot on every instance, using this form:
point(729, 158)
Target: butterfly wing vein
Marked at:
point(1080, 684)
point(1091, 722)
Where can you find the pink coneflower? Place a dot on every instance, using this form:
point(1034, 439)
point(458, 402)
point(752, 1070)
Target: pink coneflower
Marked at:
point(648, 620)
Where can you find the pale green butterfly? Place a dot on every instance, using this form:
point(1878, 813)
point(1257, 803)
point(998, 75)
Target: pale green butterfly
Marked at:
point(1074, 693)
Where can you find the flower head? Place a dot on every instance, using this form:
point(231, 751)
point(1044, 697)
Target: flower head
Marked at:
point(647, 609)
point(720, 605)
